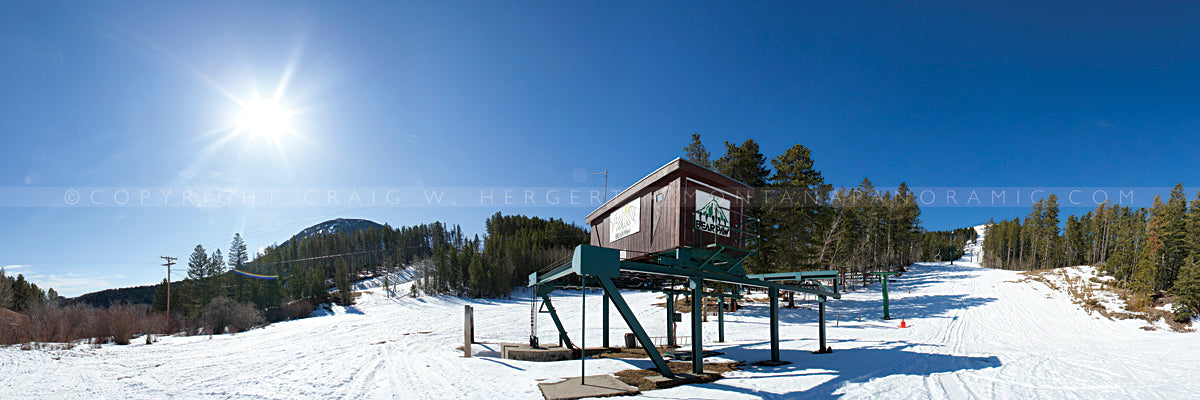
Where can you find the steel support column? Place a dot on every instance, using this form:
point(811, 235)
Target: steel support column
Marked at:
point(605, 320)
point(670, 320)
point(720, 320)
point(562, 331)
point(697, 286)
point(886, 315)
point(821, 347)
point(774, 294)
point(635, 326)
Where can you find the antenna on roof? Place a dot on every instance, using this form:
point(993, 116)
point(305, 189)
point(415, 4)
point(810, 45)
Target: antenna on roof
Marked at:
point(605, 173)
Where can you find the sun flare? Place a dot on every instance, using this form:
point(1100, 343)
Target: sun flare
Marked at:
point(264, 119)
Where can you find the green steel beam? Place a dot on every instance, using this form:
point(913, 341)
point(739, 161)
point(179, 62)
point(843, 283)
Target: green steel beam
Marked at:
point(796, 276)
point(799, 276)
point(562, 332)
point(719, 277)
point(706, 294)
point(557, 272)
point(605, 264)
point(635, 326)
point(711, 258)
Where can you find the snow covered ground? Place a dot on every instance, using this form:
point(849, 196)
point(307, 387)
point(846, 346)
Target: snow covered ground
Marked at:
point(975, 333)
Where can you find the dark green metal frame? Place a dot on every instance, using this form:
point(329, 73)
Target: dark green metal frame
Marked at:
point(713, 262)
point(883, 277)
point(810, 278)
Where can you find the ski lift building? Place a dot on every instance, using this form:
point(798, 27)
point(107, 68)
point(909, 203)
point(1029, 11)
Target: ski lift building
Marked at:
point(680, 204)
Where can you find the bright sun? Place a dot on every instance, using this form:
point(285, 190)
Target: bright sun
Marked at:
point(264, 118)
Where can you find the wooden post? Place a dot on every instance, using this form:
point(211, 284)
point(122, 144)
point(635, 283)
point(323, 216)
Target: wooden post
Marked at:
point(468, 330)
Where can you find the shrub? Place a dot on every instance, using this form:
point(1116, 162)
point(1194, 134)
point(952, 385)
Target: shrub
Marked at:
point(122, 322)
point(223, 315)
point(297, 309)
point(1184, 314)
point(157, 323)
point(14, 327)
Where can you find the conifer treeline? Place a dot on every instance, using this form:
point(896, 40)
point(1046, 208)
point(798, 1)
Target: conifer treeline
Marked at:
point(807, 225)
point(514, 247)
point(20, 295)
point(1152, 251)
point(947, 245)
point(445, 260)
point(307, 267)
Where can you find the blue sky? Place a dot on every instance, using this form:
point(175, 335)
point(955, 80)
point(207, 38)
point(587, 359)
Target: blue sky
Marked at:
point(535, 94)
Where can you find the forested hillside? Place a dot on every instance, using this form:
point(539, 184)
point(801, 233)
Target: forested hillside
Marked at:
point(104, 298)
point(808, 225)
point(1151, 251)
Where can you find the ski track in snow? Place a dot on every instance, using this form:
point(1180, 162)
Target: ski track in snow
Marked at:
point(974, 333)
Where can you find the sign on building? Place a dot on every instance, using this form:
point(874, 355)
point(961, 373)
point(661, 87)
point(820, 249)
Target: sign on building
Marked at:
point(712, 213)
point(625, 220)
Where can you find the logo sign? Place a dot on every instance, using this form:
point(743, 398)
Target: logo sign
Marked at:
point(624, 221)
point(712, 214)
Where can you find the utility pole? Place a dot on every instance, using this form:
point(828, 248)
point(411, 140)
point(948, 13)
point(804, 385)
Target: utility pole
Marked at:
point(168, 264)
point(605, 173)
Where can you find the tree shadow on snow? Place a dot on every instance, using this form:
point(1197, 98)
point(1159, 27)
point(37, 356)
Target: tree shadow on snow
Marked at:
point(847, 309)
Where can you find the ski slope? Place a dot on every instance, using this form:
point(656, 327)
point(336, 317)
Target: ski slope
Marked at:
point(974, 333)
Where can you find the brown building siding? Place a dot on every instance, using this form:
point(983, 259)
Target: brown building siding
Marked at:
point(667, 201)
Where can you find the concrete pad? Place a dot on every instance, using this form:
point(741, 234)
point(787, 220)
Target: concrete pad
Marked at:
point(592, 386)
point(522, 351)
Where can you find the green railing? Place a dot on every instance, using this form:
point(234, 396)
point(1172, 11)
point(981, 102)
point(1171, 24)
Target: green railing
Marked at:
point(746, 228)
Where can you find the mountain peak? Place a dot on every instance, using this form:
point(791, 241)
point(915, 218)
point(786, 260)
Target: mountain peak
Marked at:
point(335, 226)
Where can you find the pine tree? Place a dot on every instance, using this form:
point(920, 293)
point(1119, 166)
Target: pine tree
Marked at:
point(1192, 226)
point(6, 292)
point(238, 257)
point(198, 264)
point(790, 228)
point(218, 285)
point(216, 264)
point(197, 288)
point(1143, 279)
point(1074, 241)
point(342, 280)
point(746, 164)
point(1158, 242)
point(696, 153)
point(1188, 288)
point(160, 297)
point(1051, 247)
point(1174, 236)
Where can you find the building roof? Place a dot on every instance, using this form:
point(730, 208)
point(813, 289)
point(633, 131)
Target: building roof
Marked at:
point(681, 165)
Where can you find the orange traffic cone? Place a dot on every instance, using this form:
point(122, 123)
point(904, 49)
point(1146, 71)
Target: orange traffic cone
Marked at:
point(902, 324)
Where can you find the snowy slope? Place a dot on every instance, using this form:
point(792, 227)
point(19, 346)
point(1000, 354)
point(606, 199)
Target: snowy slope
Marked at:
point(975, 333)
